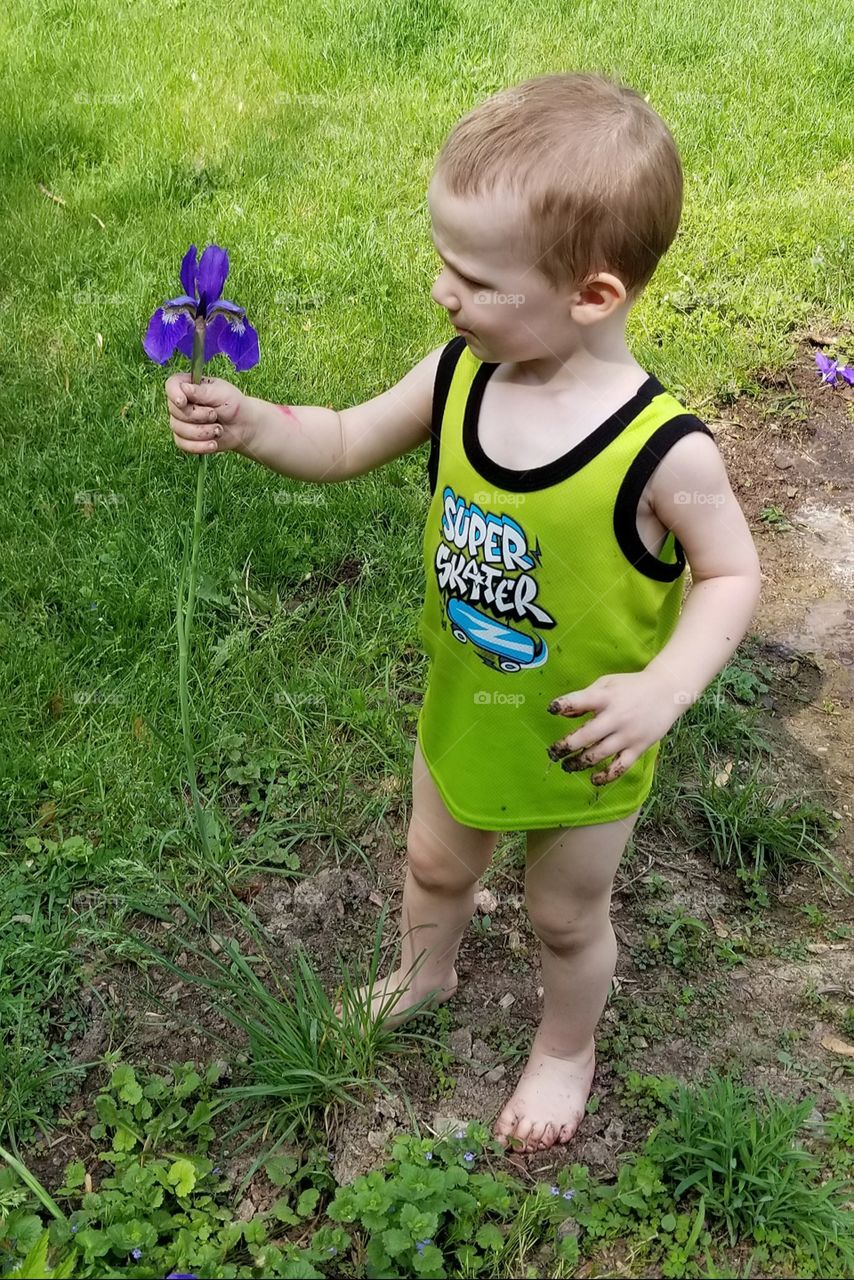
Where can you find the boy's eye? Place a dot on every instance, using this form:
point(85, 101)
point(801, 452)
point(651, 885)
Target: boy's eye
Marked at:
point(475, 284)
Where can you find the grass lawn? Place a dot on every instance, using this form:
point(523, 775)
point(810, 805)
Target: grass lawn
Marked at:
point(302, 138)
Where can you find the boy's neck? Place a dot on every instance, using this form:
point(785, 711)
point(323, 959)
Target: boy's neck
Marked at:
point(583, 359)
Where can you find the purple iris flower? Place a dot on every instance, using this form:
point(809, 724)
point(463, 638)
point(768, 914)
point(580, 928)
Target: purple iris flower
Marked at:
point(227, 331)
point(830, 371)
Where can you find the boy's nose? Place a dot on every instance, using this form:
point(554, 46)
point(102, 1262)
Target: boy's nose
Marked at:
point(444, 297)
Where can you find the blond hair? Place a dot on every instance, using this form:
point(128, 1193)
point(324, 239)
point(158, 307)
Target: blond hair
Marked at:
point(597, 169)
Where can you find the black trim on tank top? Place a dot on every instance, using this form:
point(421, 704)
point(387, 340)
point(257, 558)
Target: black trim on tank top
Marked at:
point(441, 386)
point(628, 496)
point(534, 478)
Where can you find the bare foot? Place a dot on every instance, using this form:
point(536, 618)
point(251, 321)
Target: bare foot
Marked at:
point(395, 999)
point(548, 1105)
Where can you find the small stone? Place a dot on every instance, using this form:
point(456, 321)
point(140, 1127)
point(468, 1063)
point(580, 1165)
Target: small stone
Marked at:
point(486, 902)
point(507, 1000)
point(481, 1052)
point(459, 1042)
point(496, 1074)
point(540, 992)
point(791, 491)
point(782, 463)
point(443, 1125)
point(378, 1138)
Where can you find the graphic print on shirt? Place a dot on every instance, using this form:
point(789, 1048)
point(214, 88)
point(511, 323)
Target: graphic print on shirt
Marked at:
point(483, 568)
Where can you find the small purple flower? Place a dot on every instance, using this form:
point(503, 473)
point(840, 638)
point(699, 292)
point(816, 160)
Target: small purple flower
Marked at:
point(554, 1191)
point(75, 1228)
point(567, 1195)
point(830, 370)
point(469, 1157)
point(460, 1134)
point(216, 1170)
point(181, 1275)
point(136, 1254)
point(421, 1245)
point(428, 1155)
point(227, 331)
point(827, 368)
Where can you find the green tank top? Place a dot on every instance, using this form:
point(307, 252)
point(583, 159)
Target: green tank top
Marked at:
point(537, 583)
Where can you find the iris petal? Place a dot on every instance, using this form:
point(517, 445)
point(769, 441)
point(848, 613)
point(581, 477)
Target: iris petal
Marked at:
point(234, 338)
point(213, 269)
point(166, 332)
point(227, 308)
point(188, 271)
point(184, 300)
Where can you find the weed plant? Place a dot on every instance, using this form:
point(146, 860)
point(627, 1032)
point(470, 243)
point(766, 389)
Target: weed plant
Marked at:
point(304, 1052)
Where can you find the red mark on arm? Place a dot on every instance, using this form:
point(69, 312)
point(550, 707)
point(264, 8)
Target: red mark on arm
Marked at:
point(288, 412)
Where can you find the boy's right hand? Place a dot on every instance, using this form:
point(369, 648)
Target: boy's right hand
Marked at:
point(209, 417)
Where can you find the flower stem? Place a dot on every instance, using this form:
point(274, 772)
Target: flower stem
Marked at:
point(185, 616)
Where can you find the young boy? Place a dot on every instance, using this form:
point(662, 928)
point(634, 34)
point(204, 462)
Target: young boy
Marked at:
point(568, 489)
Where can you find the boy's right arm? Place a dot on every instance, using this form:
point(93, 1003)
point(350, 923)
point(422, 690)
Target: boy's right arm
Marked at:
point(305, 442)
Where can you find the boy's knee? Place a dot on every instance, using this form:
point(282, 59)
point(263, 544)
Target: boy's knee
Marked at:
point(565, 927)
point(435, 868)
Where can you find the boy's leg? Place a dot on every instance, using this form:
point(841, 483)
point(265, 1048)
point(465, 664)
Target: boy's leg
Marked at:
point(444, 862)
point(568, 888)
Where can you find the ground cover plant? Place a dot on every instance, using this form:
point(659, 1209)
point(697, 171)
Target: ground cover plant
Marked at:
point(142, 1130)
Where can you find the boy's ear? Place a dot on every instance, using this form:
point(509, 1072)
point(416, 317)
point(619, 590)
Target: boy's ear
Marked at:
point(597, 298)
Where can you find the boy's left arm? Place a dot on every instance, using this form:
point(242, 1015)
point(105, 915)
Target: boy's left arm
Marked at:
point(691, 494)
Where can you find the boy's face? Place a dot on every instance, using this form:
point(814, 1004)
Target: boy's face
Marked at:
point(491, 288)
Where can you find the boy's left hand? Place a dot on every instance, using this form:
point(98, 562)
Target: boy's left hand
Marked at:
point(632, 711)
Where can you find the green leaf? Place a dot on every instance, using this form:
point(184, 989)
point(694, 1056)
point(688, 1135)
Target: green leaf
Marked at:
point(35, 1263)
point(26, 1230)
point(182, 1176)
point(124, 1081)
point(430, 1260)
point(201, 1115)
point(124, 1139)
point(95, 1244)
point(75, 1175)
point(668, 1222)
point(489, 1237)
point(308, 1202)
point(280, 1170)
point(283, 1212)
point(108, 1112)
point(396, 1241)
point(135, 1234)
